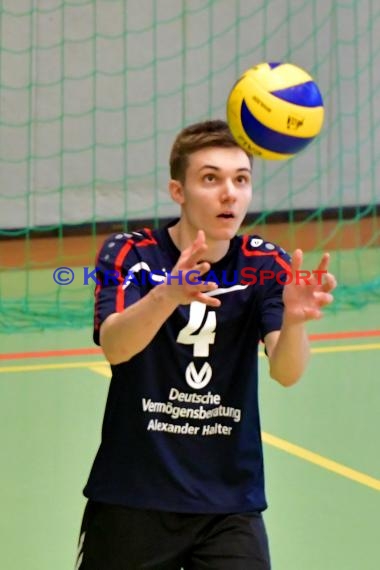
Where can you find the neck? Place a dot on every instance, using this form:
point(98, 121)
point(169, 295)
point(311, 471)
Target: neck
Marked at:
point(183, 236)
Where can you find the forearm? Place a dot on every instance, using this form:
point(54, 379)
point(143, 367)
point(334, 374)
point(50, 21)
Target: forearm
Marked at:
point(290, 355)
point(125, 334)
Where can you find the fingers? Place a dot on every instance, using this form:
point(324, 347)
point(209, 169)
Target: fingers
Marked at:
point(297, 260)
point(202, 287)
point(203, 267)
point(199, 240)
point(323, 298)
point(192, 276)
point(329, 283)
point(325, 281)
point(324, 263)
point(311, 314)
point(200, 292)
point(193, 254)
point(201, 237)
point(320, 276)
point(209, 301)
point(185, 278)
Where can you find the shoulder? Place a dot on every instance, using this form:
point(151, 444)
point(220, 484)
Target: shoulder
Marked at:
point(119, 245)
point(138, 237)
point(253, 245)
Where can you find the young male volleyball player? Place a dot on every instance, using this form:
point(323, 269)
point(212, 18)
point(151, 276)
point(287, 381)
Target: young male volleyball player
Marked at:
point(178, 478)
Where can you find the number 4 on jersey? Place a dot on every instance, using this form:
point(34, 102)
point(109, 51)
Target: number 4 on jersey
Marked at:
point(206, 333)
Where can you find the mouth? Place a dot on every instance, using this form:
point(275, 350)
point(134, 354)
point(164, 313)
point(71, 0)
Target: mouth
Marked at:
point(226, 216)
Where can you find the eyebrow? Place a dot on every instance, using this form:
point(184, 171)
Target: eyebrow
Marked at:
point(242, 169)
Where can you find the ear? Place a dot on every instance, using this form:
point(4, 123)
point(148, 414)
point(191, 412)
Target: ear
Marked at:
point(176, 191)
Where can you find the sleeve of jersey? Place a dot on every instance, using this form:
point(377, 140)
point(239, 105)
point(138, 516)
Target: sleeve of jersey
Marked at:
point(272, 306)
point(115, 290)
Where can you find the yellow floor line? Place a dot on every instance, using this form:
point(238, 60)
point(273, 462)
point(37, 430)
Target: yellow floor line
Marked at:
point(345, 348)
point(56, 366)
point(103, 369)
point(89, 364)
point(321, 461)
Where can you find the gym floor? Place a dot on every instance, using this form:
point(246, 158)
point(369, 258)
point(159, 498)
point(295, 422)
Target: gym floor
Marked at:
point(322, 458)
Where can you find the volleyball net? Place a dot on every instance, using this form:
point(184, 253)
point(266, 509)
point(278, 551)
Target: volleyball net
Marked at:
point(92, 94)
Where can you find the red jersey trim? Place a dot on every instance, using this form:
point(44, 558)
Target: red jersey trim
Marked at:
point(258, 253)
point(117, 267)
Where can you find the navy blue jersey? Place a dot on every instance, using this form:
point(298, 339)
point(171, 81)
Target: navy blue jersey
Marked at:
point(181, 430)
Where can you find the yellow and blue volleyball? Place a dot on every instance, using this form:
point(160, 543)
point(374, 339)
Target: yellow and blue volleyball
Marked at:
point(275, 110)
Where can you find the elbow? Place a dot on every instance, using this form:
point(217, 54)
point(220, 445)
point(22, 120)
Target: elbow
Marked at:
point(113, 352)
point(288, 372)
point(110, 343)
point(287, 383)
point(114, 358)
point(112, 355)
point(284, 379)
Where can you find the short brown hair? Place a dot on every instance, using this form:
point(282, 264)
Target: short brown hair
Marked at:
point(212, 133)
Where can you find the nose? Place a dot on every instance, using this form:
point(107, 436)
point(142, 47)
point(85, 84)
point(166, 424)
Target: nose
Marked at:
point(228, 191)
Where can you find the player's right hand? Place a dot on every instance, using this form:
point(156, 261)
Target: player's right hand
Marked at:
point(189, 287)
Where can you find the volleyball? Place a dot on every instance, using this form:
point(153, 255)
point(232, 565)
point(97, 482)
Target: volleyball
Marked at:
point(275, 110)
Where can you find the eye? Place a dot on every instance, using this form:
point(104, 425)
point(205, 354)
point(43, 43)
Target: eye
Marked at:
point(242, 179)
point(209, 177)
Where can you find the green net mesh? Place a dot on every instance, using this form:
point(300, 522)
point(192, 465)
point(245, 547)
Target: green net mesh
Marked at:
point(92, 94)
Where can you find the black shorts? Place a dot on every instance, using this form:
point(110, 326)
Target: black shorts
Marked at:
point(119, 538)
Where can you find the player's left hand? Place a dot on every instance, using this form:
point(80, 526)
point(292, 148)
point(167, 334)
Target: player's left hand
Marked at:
point(305, 298)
